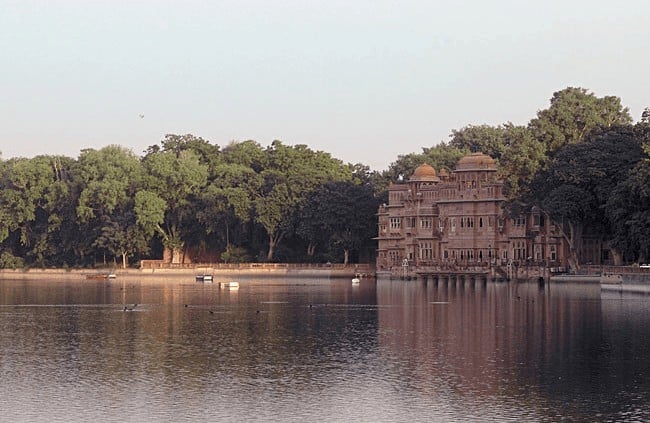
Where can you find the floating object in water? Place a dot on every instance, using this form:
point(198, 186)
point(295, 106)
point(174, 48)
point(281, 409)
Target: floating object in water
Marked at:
point(102, 276)
point(229, 285)
point(204, 278)
point(127, 308)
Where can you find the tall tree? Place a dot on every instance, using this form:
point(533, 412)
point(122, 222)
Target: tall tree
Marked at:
point(33, 194)
point(291, 175)
point(339, 215)
point(573, 113)
point(521, 161)
point(579, 181)
point(486, 139)
point(229, 200)
point(628, 205)
point(439, 156)
point(173, 181)
point(110, 178)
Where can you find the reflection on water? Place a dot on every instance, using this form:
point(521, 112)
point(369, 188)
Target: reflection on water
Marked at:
point(324, 350)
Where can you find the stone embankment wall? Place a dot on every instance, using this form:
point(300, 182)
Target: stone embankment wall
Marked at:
point(273, 270)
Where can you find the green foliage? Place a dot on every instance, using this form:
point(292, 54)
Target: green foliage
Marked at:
point(581, 179)
point(9, 261)
point(579, 160)
point(109, 178)
point(248, 154)
point(108, 181)
point(150, 211)
point(33, 203)
point(573, 114)
point(521, 161)
point(292, 174)
point(628, 206)
point(235, 255)
point(485, 139)
point(441, 156)
point(174, 179)
point(339, 215)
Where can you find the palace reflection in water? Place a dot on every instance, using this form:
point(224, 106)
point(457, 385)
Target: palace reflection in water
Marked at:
point(290, 350)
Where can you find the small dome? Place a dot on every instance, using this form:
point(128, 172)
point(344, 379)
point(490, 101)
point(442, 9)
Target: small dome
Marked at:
point(476, 161)
point(424, 172)
point(443, 173)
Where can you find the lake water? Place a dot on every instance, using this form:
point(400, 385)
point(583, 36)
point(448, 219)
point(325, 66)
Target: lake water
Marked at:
point(292, 350)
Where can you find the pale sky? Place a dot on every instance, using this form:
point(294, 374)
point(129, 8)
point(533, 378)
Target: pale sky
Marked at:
point(363, 80)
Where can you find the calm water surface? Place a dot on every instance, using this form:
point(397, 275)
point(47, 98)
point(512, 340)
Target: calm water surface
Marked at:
point(321, 350)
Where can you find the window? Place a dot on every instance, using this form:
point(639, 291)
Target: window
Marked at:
point(426, 251)
point(519, 250)
point(425, 223)
point(466, 222)
point(410, 222)
point(480, 222)
point(553, 252)
point(452, 222)
point(395, 223)
point(520, 221)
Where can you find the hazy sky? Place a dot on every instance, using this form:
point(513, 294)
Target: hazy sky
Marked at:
point(363, 80)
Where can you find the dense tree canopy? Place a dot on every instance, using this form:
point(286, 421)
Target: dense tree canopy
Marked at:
point(581, 160)
point(335, 217)
point(580, 181)
point(573, 114)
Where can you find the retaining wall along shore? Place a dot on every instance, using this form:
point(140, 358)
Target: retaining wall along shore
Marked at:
point(258, 271)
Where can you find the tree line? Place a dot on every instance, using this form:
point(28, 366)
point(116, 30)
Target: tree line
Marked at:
point(582, 160)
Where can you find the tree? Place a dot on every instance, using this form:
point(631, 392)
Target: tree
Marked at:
point(486, 139)
point(339, 215)
point(120, 235)
point(173, 180)
point(439, 156)
point(109, 179)
point(580, 180)
point(291, 175)
point(573, 113)
point(645, 116)
point(228, 202)
point(521, 161)
point(628, 205)
point(33, 195)
point(444, 155)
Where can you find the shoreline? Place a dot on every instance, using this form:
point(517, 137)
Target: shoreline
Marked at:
point(176, 274)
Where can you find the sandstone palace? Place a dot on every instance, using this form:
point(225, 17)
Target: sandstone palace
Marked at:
point(438, 223)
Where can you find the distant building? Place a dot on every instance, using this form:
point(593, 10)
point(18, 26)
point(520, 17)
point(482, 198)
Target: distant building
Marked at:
point(455, 220)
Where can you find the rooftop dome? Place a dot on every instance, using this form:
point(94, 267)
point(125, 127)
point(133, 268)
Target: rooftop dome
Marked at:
point(424, 172)
point(476, 161)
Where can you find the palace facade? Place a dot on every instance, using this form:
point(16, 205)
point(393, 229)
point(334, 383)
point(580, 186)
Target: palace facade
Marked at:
point(444, 221)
